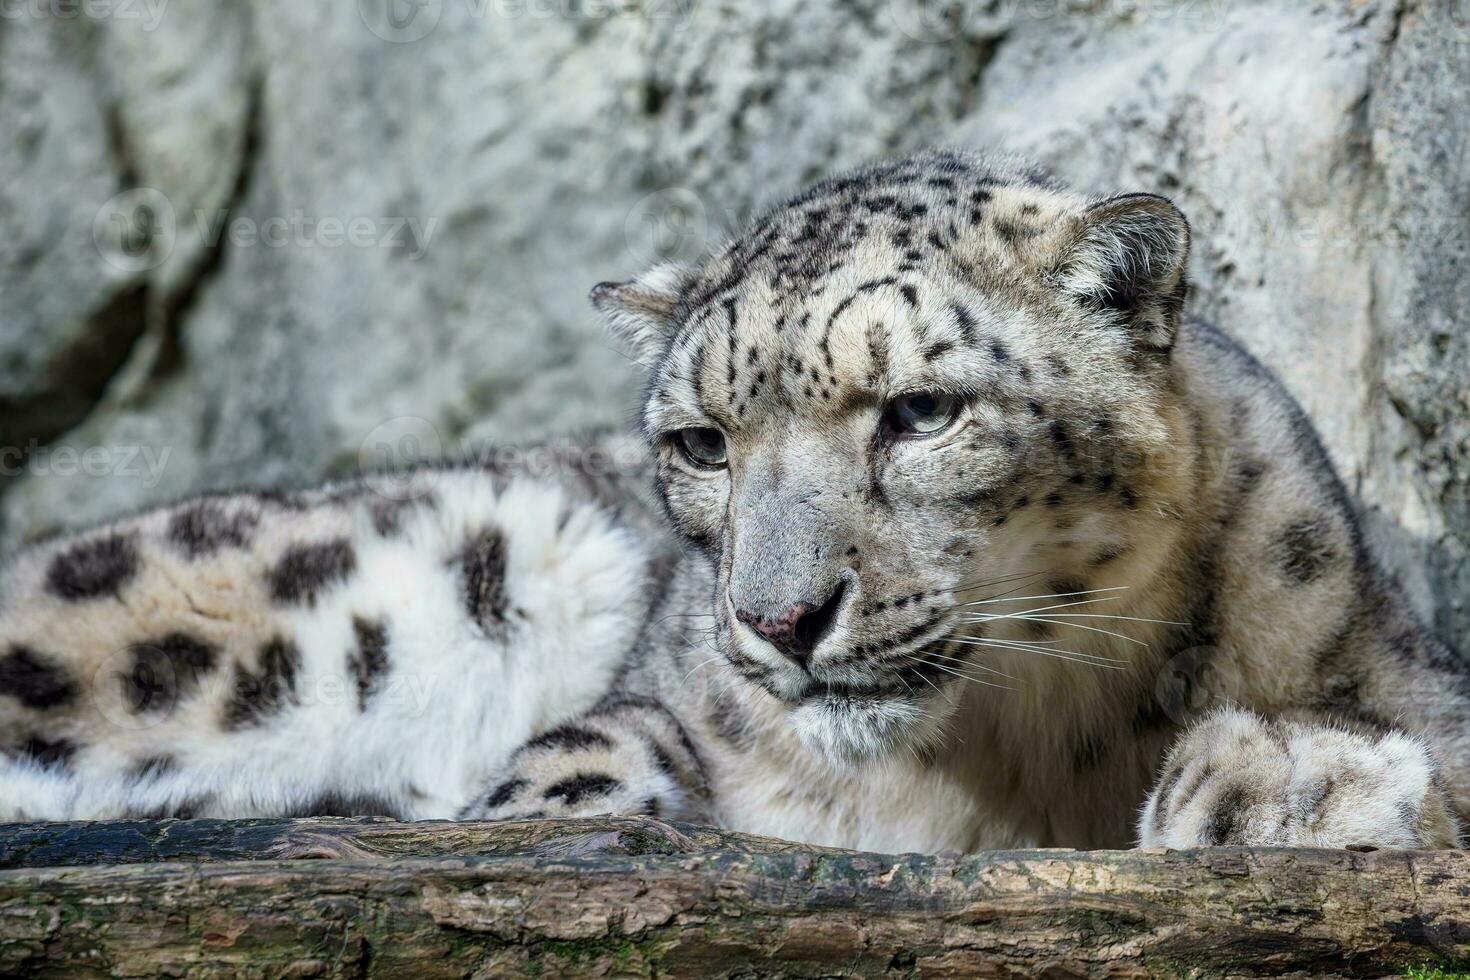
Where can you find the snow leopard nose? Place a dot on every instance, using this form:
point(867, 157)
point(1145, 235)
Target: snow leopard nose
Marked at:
point(798, 629)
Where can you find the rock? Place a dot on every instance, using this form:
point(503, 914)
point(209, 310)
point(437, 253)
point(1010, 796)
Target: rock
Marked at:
point(384, 227)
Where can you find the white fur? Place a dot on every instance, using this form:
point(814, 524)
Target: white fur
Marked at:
point(454, 703)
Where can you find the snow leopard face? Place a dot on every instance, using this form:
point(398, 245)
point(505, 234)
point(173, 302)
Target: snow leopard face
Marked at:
point(905, 390)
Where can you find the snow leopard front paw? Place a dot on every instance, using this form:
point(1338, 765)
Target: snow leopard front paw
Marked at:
point(627, 757)
point(1236, 778)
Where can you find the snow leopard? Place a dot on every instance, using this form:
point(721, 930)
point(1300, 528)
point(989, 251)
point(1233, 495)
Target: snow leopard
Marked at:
point(946, 528)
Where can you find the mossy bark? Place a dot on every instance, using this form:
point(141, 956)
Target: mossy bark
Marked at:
point(639, 897)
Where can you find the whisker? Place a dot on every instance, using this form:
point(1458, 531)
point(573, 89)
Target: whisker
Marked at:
point(970, 663)
point(972, 680)
point(1010, 592)
point(1039, 644)
point(698, 667)
point(926, 680)
point(1025, 618)
point(1135, 619)
point(982, 636)
point(1060, 605)
point(1072, 656)
point(971, 586)
point(1053, 595)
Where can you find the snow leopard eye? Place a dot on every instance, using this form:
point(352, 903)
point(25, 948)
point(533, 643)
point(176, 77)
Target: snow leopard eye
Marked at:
point(923, 413)
point(702, 447)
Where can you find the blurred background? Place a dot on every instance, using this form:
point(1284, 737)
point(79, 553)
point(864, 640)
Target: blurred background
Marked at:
point(263, 241)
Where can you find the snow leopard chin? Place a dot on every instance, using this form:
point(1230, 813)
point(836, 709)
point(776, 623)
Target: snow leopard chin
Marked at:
point(853, 729)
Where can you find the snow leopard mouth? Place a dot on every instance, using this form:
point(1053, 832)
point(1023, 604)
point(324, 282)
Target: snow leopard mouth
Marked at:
point(827, 693)
point(852, 723)
point(915, 675)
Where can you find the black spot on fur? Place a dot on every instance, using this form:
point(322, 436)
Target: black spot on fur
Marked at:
point(571, 738)
point(1342, 697)
point(1059, 367)
point(1107, 555)
point(1314, 800)
point(582, 786)
point(267, 689)
point(505, 792)
point(937, 350)
point(165, 670)
point(1065, 586)
point(1014, 232)
point(728, 723)
point(1062, 438)
point(205, 527)
point(1303, 550)
point(35, 680)
point(387, 515)
point(965, 320)
point(662, 758)
point(55, 754)
point(93, 569)
point(1225, 818)
point(153, 767)
point(483, 565)
point(1162, 794)
point(305, 571)
point(344, 805)
point(369, 662)
point(1248, 475)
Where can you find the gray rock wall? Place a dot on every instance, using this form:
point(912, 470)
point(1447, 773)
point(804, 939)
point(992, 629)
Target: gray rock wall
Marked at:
point(256, 241)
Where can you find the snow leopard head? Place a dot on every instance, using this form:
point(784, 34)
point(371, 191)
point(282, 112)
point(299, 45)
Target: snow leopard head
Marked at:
point(906, 389)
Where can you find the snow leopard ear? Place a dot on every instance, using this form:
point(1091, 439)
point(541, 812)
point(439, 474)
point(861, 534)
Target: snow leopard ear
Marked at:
point(1129, 259)
point(639, 314)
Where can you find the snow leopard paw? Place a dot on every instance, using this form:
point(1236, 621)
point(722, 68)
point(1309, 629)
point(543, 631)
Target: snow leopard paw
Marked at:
point(628, 756)
point(1236, 778)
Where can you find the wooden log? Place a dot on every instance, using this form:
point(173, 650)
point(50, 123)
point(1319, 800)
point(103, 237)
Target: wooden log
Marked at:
point(641, 897)
point(55, 845)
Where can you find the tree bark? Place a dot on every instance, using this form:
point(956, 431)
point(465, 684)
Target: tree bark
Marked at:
point(641, 897)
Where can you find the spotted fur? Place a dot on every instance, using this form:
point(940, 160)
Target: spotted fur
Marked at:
point(1118, 595)
point(278, 654)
